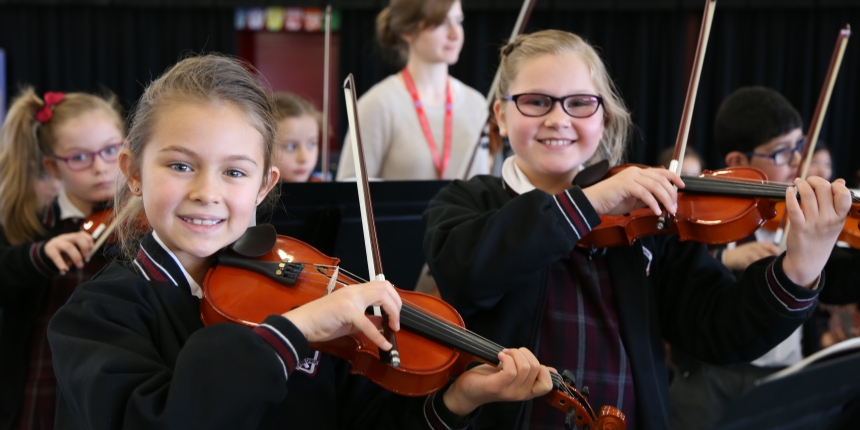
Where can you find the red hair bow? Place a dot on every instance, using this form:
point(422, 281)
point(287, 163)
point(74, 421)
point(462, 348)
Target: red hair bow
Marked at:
point(47, 112)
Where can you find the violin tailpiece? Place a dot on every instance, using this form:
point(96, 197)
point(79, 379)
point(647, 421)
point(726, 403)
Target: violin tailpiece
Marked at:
point(283, 272)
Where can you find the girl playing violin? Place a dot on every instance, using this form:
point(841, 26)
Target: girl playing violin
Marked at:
point(74, 138)
point(297, 147)
point(131, 349)
point(504, 253)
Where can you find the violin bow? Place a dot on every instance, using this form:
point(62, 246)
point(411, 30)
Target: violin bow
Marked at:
point(371, 244)
point(519, 27)
point(692, 89)
point(326, 66)
point(817, 120)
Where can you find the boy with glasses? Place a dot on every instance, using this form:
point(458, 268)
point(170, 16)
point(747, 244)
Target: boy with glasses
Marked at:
point(755, 127)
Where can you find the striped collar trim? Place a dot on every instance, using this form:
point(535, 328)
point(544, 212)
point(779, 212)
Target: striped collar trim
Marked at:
point(155, 262)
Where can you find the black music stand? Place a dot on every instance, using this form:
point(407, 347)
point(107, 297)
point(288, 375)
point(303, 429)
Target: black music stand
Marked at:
point(822, 393)
point(327, 216)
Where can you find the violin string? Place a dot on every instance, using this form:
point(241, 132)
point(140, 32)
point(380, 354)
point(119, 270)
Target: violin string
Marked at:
point(739, 183)
point(737, 180)
point(573, 394)
point(723, 186)
point(747, 185)
point(450, 333)
point(443, 328)
point(433, 325)
point(462, 336)
point(457, 329)
point(423, 319)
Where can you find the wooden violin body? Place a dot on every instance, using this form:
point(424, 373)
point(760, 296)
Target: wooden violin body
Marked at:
point(103, 222)
point(238, 295)
point(850, 231)
point(702, 217)
point(97, 222)
point(434, 346)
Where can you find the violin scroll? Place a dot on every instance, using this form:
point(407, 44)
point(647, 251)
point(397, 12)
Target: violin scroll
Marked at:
point(578, 413)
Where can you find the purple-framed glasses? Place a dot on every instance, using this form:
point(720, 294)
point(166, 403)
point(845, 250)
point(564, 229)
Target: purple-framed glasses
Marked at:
point(84, 160)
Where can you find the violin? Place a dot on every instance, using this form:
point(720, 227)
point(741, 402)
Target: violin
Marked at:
point(97, 222)
point(101, 225)
point(625, 229)
point(264, 274)
point(716, 207)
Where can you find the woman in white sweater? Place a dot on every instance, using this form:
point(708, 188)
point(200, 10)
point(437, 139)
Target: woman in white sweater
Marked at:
point(420, 123)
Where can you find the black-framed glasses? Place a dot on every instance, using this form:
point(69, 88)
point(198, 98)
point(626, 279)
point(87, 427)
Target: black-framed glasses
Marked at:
point(782, 156)
point(575, 105)
point(84, 160)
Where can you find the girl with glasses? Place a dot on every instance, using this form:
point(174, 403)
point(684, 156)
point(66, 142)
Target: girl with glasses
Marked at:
point(74, 138)
point(421, 123)
point(504, 250)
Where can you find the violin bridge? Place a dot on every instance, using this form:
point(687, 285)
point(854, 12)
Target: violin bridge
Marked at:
point(333, 281)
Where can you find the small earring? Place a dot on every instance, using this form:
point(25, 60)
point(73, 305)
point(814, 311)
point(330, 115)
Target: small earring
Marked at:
point(137, 189)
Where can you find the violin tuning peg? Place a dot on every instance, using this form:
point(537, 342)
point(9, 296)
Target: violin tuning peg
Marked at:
point(570, 420)
point(584, 391)
point(569, 378)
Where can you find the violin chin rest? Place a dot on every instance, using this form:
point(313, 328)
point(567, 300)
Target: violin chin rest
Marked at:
point(591, 174)
point(256, 242)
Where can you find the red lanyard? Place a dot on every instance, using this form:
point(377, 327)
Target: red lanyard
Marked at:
point(441, 165)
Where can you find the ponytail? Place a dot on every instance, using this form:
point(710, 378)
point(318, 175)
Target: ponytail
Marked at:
point(21, 159)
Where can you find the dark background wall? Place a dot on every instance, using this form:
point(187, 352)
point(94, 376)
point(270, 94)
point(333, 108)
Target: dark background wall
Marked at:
point(121, 45)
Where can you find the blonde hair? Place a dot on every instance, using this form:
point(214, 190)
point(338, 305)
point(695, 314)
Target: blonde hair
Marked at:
point(408, 17)
point(24, 142)
point(616, 118)
point(289, 105)
point(206, 78)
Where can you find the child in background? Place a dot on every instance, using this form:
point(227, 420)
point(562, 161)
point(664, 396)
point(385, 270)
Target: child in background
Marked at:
point(821, 164)
point(131, 350)
point(297, 147)
point(504, 250)
point(692, 165)
point(75, 138)
point(756, 127)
